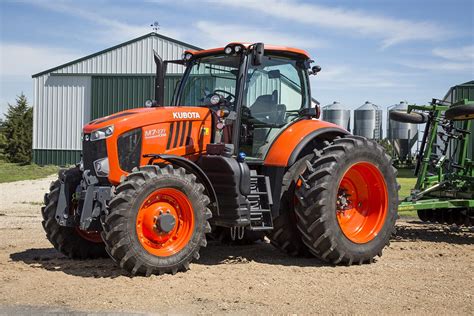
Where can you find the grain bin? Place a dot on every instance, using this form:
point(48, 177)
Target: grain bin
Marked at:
point(338, 114)
point(402, 136)
point(368, 121)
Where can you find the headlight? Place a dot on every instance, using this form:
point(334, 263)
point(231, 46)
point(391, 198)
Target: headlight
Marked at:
point(101, 167)
point(188, 56)
point(228, 50)
point(102, 133)
point(148, 103)
point(238, 49)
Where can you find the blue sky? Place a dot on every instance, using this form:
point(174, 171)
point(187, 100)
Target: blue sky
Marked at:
point(382, 51)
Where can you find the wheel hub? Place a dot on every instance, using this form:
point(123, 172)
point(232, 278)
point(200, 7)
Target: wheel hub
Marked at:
point(343, 202)
point(165, 222)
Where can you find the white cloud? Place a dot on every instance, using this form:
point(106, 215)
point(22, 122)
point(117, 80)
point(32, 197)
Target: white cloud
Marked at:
point(439, 66)
point(212, 34)
point(111, 30)
point(465, 53)
point(25, 60)
point(390, 30)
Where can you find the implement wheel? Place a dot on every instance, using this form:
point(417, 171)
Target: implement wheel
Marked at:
point(157, 221)
point(460, 112)
point(348, 202)
point(412, 118)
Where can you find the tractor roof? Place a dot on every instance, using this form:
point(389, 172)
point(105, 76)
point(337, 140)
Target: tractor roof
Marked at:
point(268, 48)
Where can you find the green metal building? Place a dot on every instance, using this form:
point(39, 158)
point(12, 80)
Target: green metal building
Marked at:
point(68, 96)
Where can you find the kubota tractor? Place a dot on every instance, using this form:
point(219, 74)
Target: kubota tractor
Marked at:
point(239, 150)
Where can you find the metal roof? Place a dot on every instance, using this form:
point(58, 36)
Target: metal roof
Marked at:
point(335, 106)
point(368, 106)
point(114, 48)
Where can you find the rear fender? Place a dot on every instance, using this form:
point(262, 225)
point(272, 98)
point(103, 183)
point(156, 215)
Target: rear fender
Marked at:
point(294, 140)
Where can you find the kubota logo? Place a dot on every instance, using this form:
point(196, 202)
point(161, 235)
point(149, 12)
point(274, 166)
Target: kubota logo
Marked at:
point(186, 115)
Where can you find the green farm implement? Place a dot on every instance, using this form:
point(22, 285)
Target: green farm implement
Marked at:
point(444, 191)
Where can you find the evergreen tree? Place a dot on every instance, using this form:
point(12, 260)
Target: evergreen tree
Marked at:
point(18, 131)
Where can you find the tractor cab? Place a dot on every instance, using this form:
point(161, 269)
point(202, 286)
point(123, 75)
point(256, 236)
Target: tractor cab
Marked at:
point(253, 91)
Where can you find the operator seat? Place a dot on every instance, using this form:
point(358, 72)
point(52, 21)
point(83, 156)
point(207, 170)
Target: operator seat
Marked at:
point(267, 110)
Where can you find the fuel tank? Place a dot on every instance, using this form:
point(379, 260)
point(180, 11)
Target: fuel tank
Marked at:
point(116, 143)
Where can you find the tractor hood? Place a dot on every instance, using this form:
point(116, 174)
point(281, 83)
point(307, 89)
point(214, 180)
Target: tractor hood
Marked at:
point(141, 117)
point(123, 140)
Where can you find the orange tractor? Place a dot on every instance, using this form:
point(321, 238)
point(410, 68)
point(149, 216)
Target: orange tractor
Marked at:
point(239, 151)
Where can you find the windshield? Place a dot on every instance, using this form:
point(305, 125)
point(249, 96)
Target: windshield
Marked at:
point(209, 75)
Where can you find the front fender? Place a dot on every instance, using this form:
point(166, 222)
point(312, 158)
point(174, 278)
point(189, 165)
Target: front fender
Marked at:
point(289, 144)
point(193, 168)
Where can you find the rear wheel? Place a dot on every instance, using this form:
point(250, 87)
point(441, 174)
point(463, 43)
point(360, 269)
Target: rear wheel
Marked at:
point(285, 235)
point(348, 202)
point(70, 241)
point(157, 221)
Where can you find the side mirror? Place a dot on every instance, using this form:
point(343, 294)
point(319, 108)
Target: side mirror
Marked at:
point(309, 112)
point(314, 70)
point(257, 54)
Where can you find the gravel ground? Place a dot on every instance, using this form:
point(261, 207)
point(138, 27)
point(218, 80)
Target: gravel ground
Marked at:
point(428, 269)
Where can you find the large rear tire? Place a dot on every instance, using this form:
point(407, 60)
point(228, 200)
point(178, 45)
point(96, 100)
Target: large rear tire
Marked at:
point(348, 202)
point(285, 235)
point(70, 241)
point(157, 221)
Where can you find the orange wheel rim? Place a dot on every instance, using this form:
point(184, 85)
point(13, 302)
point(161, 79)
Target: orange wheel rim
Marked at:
point(165, 222)
point(362, 202)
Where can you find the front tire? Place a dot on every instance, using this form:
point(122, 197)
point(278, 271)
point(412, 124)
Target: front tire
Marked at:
point(157, 221)
point(70, 241)
point(348, 202)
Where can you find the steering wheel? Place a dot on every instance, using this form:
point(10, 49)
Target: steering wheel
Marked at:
point(230, 96)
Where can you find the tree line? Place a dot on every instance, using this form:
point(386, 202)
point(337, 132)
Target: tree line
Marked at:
point(16, 132)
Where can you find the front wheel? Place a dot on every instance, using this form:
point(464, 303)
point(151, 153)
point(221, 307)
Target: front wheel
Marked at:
point(70, 241)
point(348, 201)
point(157, 221)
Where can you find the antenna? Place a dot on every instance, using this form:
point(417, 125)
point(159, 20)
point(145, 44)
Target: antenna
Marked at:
point(155, 26)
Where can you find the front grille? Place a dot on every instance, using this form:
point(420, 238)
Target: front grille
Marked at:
point(91, 151)
point(129, 147)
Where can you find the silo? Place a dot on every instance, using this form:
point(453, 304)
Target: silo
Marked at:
point(368, 121)
point(338, 114)
point(402, 136)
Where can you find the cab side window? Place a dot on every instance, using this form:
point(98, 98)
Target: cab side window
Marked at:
point(274, 93)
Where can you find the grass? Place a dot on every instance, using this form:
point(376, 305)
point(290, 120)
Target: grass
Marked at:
point(407, 181)
point(10, 172)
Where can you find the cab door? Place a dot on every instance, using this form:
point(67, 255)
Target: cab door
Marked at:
point(274, 92)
